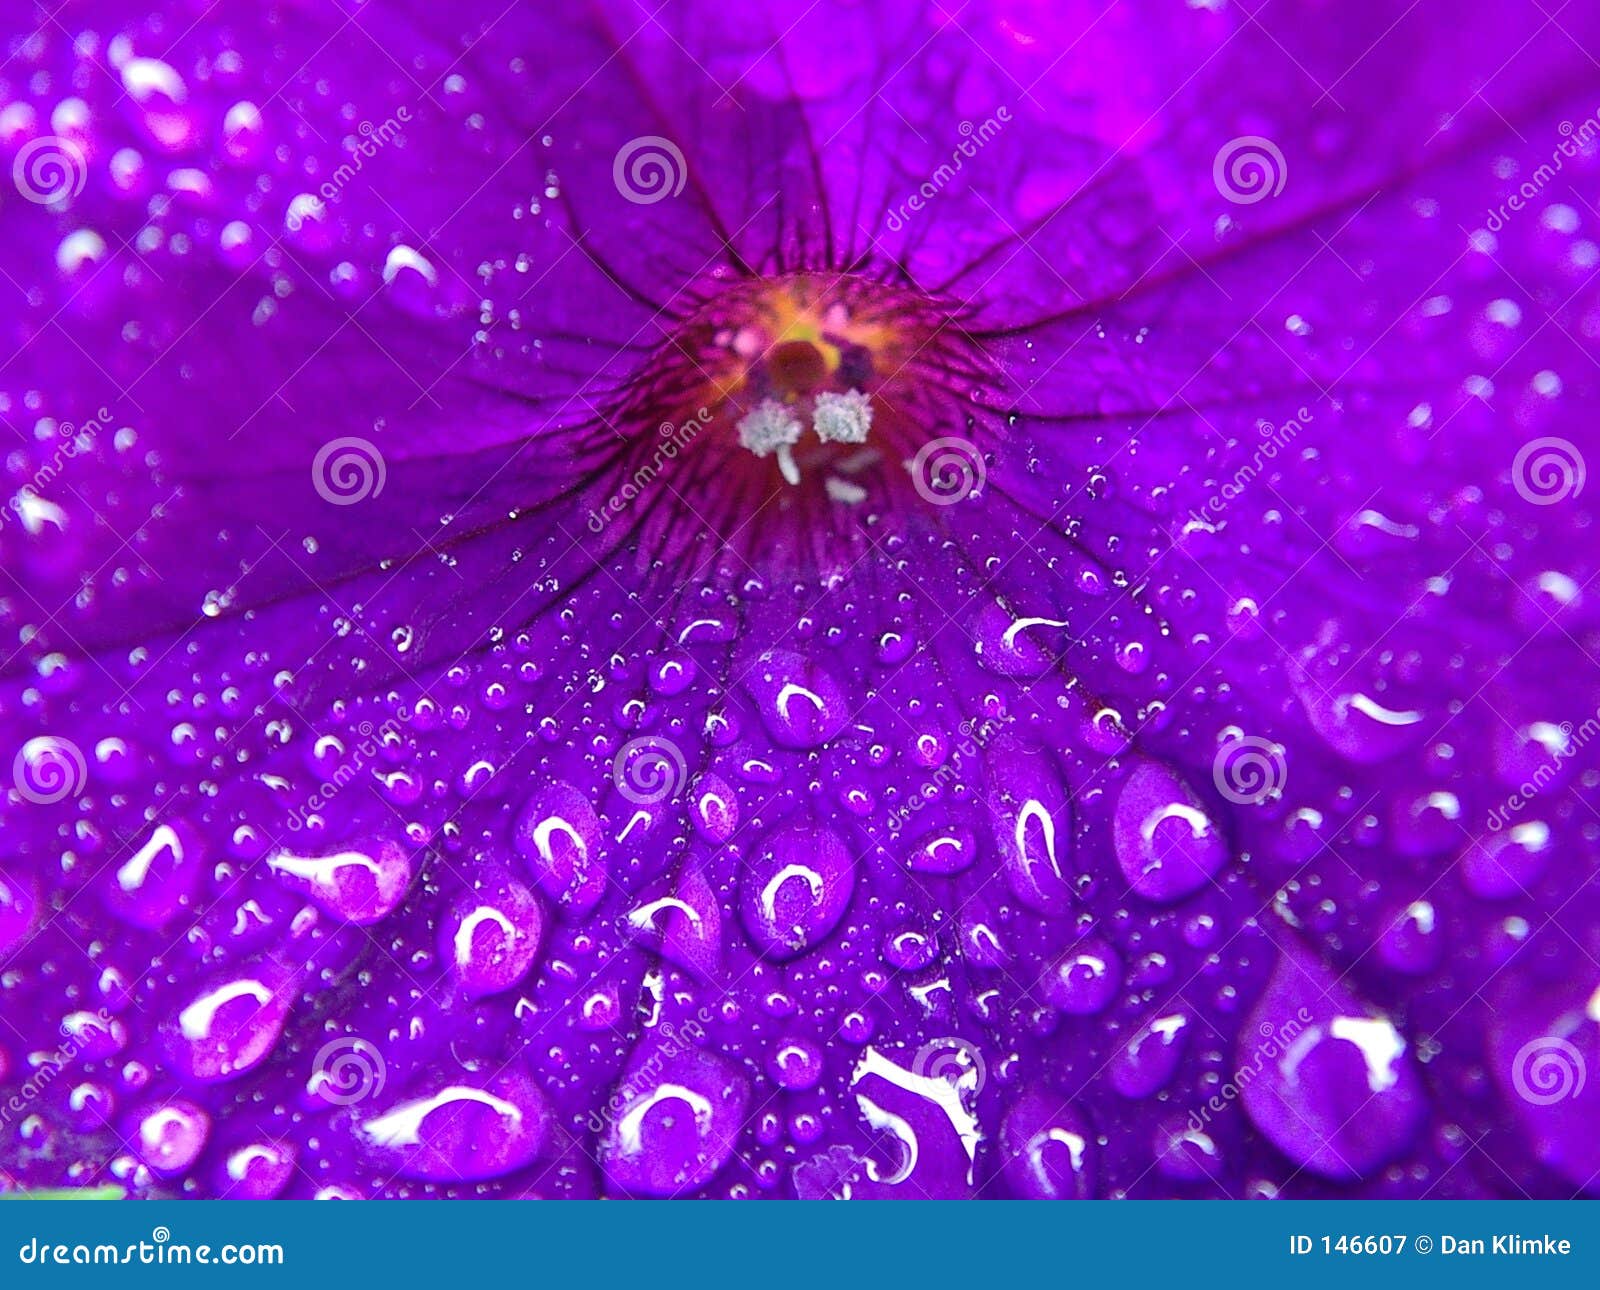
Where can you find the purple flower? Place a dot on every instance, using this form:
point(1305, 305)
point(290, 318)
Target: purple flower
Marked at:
point(885, 601)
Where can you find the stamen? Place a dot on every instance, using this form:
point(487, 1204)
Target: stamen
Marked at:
point(771, 428)
point(767, 427)
point(842, 418)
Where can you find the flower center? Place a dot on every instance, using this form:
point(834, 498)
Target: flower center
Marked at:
point(802, 399)
point(805, 362)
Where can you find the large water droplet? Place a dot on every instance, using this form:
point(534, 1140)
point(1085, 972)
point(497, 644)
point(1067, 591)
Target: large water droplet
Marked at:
point(559, 835)
point(464, 1131)
point(673, 1120)
point(1337, 1089)
point(356, 886)
point(1166, 844)
point(796, 888)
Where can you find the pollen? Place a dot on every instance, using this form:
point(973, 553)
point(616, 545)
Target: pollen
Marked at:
point(770, 428)
point(813, 373)
point(842, 418)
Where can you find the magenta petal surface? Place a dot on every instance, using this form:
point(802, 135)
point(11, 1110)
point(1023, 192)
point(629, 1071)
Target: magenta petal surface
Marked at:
point(653, 600)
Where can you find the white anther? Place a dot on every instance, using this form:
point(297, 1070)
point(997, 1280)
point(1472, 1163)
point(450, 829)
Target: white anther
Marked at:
point(842, 418)
point(842, 490)
point(770, 428)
